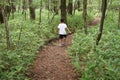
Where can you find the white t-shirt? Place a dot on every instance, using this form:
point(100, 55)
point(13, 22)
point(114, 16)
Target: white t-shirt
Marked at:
point(62, 27)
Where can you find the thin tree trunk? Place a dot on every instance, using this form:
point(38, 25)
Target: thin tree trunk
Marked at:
point(5, 18)
point(1, 16)
point(70, 7)
point(78, 4)
point(55, 6)
point(99, 6)
point(40, 13)
point(24, 9)
point(119, 19)
point(91, 7)
point(63, 10)
point(19, 6)
point(12, 10)
point(55, 9)
point(48, 11)
point(32, 10)
point(53, 17)
point(85, 15)
point(74, 7)
point(104, 6)
point(21, 27)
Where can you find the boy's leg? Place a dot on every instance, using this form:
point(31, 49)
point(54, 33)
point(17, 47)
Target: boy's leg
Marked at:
point(64, 40)
point(60, 41)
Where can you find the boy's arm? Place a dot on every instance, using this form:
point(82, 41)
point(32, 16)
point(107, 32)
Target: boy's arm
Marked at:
point(68, 30)
point(57, 30)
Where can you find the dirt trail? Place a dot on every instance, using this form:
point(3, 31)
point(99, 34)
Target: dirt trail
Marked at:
point(94, 21)
point(53, 63)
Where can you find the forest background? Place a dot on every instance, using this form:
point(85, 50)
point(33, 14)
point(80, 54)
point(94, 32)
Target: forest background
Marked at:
point(26, 25)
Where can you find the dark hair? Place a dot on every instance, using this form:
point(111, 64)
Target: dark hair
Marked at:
point(62, 20)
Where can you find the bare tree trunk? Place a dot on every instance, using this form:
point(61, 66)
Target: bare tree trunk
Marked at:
point(12, 7)
point(32, 10)
point(53, 17)
point(70, 7)
point(55, 6)
point(78, 4)
point(1, 16)
point(12, 10)
point(99, 6)
point(21, 27)
point(55, 9)
point(104, 6)
point(119, 19)
point(48, 11)
point(19, 5)
point(63, 10)
point(85, 15)
point(74, 7)
point(40, 13)
point(5, 18)
point(91, 7)
point(24, 7)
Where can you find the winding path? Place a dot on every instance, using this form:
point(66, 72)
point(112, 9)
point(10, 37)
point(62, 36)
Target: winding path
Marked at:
point(53, 63)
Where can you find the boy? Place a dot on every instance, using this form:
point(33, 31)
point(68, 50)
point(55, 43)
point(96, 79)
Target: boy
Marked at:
point(62, 27)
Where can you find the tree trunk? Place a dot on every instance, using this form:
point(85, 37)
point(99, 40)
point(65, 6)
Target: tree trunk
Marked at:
point(40, 13)
point(1, 16)
point(70, 7)
point(48, 11)
point(104, 6)
point(91, 7)
point(32, 10)
point(119, 19)
point(5, 18)
point(19, 6)
point(78, 4)
point(24, 7)
point(12, 10)
point(55, 6)
point(85, 15)
point(99, 6)
point(63, 10)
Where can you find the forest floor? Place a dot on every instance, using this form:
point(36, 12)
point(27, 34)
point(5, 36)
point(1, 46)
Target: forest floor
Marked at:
point(53, 63)
point(94, 21)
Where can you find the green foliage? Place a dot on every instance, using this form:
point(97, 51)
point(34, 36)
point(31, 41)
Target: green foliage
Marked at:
point(75, 22)
point(15, 62)
point(93, 62)
point(100, 62)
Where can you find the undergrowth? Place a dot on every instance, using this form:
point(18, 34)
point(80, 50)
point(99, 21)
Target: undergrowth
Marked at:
point(100, 62)
point(26, 37)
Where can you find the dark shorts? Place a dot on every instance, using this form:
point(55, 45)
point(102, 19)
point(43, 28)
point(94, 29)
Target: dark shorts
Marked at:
point(61, 36)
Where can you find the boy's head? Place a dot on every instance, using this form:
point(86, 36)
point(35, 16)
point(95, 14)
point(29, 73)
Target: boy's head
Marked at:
point(62, 20)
